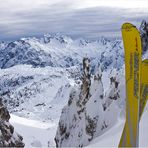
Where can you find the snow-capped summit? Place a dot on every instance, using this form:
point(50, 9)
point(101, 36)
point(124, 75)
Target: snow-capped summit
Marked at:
point(63, 39)
point(60, 51)
point(39, 76)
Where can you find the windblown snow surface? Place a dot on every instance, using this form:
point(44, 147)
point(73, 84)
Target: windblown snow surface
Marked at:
point(37, 76)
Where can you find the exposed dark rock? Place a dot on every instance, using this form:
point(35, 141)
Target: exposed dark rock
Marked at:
point(8, 138)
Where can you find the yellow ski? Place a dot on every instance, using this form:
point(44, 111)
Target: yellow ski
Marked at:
point(144, 86)
point(132, 47)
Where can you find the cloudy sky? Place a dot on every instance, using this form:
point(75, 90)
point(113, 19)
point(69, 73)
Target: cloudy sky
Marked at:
point(77, 18)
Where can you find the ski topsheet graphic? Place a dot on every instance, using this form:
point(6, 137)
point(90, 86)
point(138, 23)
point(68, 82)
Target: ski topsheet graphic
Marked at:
point(132, 47)
point(144, 86)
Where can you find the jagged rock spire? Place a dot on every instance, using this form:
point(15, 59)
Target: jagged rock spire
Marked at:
point(84, 117)
point(113, 92)
point(86, 82)
point(144, 35)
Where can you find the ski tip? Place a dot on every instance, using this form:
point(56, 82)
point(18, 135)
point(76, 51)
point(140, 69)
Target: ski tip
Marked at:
point(128, 26)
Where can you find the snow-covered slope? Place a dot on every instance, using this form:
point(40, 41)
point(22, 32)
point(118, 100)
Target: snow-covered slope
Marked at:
point(90, 111)
point(37, 76)
point(40, 134)
point(35, 92)
point(112, 137)
point(35, 133)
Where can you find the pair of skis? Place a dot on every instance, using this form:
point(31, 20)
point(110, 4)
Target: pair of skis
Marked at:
point(136, 75)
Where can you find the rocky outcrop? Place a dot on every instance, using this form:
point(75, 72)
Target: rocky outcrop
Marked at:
point(113, 93)
point(144, 35)
point(8, 137)
point(89, 112)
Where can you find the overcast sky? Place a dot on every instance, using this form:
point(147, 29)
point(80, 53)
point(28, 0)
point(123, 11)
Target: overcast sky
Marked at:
point(77, 18)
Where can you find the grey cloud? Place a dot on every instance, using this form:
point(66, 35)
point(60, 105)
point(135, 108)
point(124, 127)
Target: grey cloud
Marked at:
point(62, 17)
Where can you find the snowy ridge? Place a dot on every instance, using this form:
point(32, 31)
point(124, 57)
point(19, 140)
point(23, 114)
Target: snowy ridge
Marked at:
point(31, 92)
point(90, 111)
point(60, 51)
point(31, 68)
point(39, 76)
